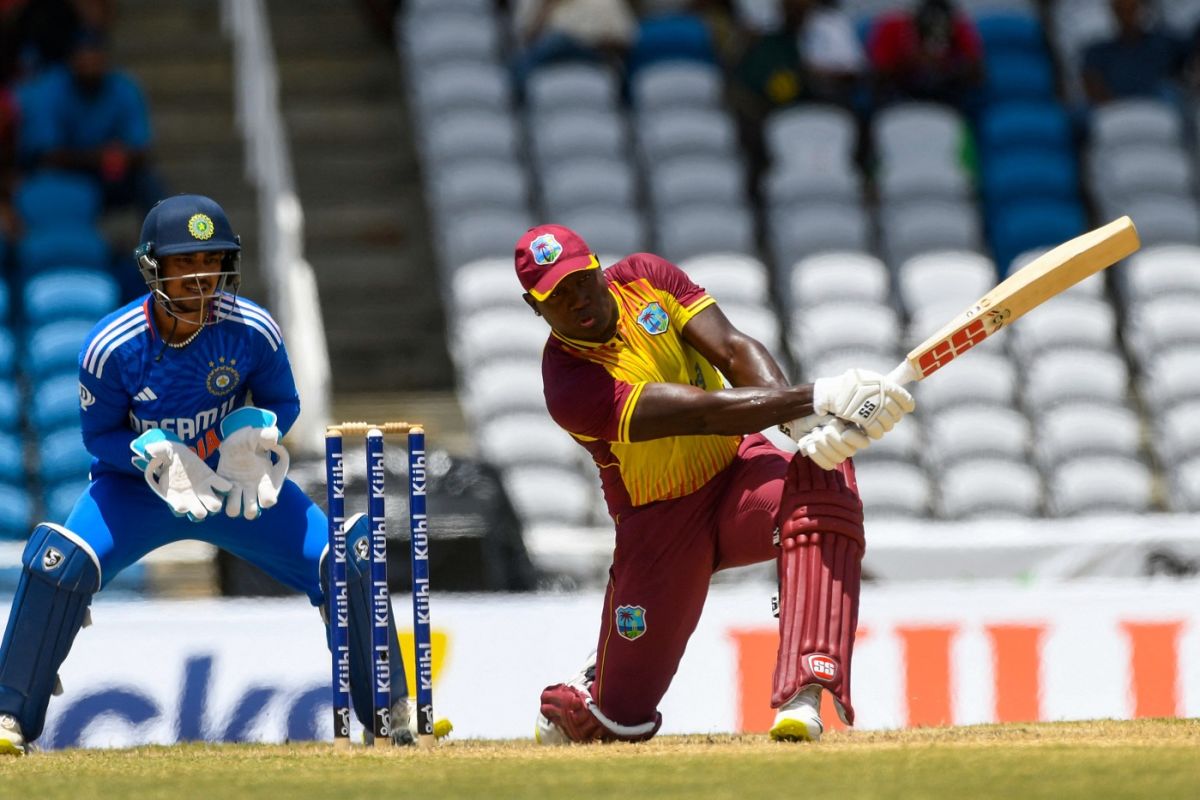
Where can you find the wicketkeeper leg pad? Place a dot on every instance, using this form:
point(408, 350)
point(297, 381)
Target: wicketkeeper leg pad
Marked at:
point(576, 714)
point(821, 545)
point(60, 573)
point(358, 591)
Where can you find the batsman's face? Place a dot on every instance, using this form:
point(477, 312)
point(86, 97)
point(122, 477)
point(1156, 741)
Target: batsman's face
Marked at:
point(190, 279)
point(580, 307)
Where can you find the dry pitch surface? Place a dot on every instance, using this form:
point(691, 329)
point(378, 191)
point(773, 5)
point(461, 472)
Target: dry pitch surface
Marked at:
point(1157, 759)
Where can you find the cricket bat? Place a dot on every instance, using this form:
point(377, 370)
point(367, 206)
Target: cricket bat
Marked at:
point(1024, 290)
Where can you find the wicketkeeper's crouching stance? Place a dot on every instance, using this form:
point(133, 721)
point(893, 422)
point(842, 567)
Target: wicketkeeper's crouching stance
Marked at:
point(633, 370)
point(178, 454)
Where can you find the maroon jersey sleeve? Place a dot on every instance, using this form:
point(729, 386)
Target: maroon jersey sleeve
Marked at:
point(585, 400)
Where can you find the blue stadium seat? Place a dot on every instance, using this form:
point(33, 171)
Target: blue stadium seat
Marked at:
point(63, 456)
point(54, 347)
point(57, 198)
point(1026, 225)
point(16, 510)
point(1029, 174)
point(69, 293)
point(5, 297)
point(75, 246)
point(1024, 124)
point(8, 353)
point(1012, 76)
point(60, 499)
point(1008, 32)
point(10, 405)
point(55, 402)
point(12, 459)
point(671, 36)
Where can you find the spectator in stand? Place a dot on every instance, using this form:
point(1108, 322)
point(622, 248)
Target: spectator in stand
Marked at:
point(931, 53)
point(572, 30)
point(85, 116)
point(35, 34)
point(1142, 60)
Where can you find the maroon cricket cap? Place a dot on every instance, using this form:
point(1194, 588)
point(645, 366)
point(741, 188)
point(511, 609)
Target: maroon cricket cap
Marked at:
point(548, 253)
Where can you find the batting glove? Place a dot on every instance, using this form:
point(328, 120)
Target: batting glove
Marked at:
point(865, 398)
point(832, 443)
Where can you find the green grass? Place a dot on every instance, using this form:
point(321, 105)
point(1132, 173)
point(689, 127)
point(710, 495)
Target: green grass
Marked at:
point(1156, 759)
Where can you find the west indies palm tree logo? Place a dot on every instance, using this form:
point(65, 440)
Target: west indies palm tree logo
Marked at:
point(631, 621)
point(653, 318)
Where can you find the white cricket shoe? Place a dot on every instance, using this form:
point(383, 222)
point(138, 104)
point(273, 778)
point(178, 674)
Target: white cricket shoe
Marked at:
point(799, 719)
point(12, 741)
point(545, 731)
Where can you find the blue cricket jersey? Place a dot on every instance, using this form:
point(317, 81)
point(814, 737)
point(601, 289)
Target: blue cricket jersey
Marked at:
point(131, 381)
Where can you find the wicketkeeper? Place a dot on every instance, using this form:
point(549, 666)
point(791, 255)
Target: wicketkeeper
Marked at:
point(633, 369)
point(178, 454)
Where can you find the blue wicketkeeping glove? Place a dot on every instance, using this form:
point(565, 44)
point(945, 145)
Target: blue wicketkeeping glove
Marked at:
point(177, 475)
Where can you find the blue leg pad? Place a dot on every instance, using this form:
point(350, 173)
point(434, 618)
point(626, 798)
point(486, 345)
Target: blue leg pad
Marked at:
point(59, 576)
point(358, 589)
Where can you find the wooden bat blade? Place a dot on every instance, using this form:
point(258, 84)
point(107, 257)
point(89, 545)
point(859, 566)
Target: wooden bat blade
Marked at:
point(1024, 290)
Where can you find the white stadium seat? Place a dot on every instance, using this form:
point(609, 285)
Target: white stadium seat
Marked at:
point(528, 438)
point(700, 230)
point(972, 432)
point(1086, 429)
point(840, 326)
point(500, 333)
point(685, 84)
point(563, 88)
point(893, 488)
point(571, 184)
point(504, 387)
point(485, 284)
point(1178, 432)
point(1159, 271)
point(993, 488)
point(831, 277)
point(1172, 377)
point(1100, 485)
point(981, 378)
point(947, 277)
point(1065, 321)
point(542, 494)
point(1060, 376)
point(808, 229)
point(730, 277)
point(1162, 323)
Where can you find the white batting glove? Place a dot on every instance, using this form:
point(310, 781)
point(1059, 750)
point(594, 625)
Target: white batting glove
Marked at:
point(865, 398)
point(832, 443)
point(248, 438)
point(178, 476)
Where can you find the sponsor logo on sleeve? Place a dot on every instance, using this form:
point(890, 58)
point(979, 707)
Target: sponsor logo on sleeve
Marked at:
point(86, 398)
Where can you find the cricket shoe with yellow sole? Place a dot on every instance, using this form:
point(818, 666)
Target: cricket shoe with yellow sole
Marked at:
point(799, 719)
point(12, 741)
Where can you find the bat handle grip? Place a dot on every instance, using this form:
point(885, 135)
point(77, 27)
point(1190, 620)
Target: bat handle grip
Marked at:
point(903, 373)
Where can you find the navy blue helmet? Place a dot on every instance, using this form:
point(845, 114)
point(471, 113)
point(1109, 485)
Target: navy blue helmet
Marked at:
point(187, 223)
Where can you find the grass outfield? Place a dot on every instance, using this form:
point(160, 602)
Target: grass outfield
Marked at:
point(1156, 759)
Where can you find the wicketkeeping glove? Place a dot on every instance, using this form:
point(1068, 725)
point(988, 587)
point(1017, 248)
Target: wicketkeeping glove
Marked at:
point(178, 476)
point(249, 436)
point(865, 398)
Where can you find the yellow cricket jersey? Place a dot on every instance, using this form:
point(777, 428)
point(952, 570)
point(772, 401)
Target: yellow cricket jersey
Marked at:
point(592, 388)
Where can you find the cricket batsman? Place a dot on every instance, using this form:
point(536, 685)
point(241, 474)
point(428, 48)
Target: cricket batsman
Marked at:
point(179, 453)
point(635, 369)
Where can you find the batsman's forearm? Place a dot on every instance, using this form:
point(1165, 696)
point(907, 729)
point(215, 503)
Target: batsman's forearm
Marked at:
point(751, 364)
point(668, 409)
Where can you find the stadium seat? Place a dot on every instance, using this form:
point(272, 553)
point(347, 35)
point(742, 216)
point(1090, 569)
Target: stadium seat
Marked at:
point(55, 403)
point(1023, 124)
point(839, 326)
point(542, 494)
point(923, 178)
point(1136, 121)
point(972, 432)
point(983, 378)
point(696, 181)
point(1018, 76)
point(609, 229)
point(581, 134)
point(1178, 432)
point(907, 128)
point(671, 37)
point(8, 353)
point(12, 457)
point(561, 88)
point(463, 86)
point(52, 198)
point(893, 489)
point(478, 185)
point(10, 405)
point(527, 439)
point(815, 135)
point(490, 234)
point(992, 488)
point(1023, 226)
point(1100, 485)
point(62, 246)
point(63, 456)
point(1016, 175)
point(808, 229)
point(69, 293)
point(54, 347)
point(482, 285)
point(1120, 174)
point(570, 185)
point(1165, 219)
point(499, 333)
point(1160, 271)
point(946, 277)
point(686, 84)
point(1086, 429)
point(436, 39)
point(470, 135)
point(902, 443)
point(827, 277)
point(758, 321)
point(677, 133)
point(1061, 376)
point(730, 277)
point(1064, 321)
point(920, 227)
point(798, 182)
point(16, 512)
point(1185, 485)
point(699, 230)
point(1010, 32)
point(1172, 377)
point(60, 499)
point(1162, 323)
point(835, 362)
point(502, 387)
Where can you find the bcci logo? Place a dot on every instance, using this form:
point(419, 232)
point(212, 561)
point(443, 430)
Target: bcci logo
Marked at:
point(200, 226)
point(653, 319)
point(545, 249)
point(631, 621)
point(222, 378)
